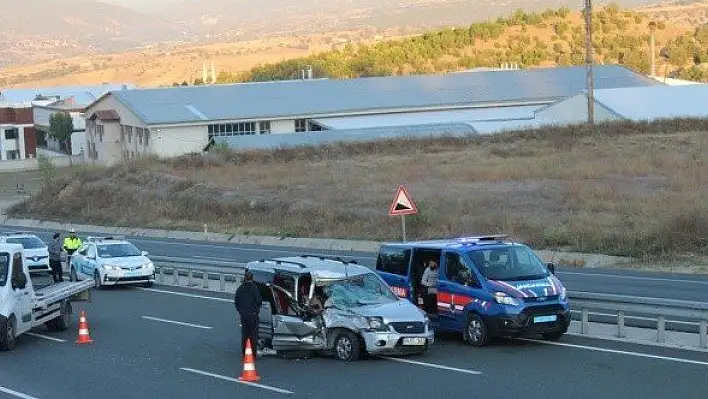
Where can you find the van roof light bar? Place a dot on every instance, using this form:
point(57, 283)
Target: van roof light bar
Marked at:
point(481, 238)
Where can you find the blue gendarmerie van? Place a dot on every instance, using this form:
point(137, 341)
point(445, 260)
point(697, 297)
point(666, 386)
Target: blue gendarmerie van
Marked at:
point(488, 287)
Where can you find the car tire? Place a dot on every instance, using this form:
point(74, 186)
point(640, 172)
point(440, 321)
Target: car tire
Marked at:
point(97, 279)
point(347, 347)
point(148, 284)
point(8, 334)
point(476, 332)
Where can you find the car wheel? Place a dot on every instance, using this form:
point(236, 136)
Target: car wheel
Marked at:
point(476, 332)
point(148, 284)
point(7, 334)
point(97, 279)
point(347, 347)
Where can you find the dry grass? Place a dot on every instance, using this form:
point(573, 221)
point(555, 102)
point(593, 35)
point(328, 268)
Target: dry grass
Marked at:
point(625, 189)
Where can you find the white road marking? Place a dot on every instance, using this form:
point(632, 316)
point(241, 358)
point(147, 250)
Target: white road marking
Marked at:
point(15, 393)
point(433, 365)
point(688, 323)
point(669, 280)
point(179, 323)
point(184, 294)
point(253, 384)
point(628, 353)
point(48, 338)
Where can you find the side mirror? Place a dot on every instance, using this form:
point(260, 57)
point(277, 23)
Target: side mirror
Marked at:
point(551, 267)
point(144, 253)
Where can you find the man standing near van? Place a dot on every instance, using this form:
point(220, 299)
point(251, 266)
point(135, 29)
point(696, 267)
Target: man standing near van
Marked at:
point(430, 288)
point(248, 304)
point(55, 259)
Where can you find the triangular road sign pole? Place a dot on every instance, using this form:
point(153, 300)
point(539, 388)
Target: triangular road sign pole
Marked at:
point(402, 205)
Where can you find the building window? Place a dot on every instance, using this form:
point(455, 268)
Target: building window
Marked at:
point(264, 127)
point(126, 133)
point(232, 129)
point(146, 133)
point(313, 127)
point(139, 133)
point(300, 125)
point(11, 134)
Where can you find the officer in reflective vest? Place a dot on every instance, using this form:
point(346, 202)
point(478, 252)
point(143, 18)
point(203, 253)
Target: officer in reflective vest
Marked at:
point(71, 244)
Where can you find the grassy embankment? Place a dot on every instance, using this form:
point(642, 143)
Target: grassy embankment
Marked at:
point(627, 189)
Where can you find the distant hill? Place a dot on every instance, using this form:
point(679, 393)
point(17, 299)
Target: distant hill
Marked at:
point(41, 29)
point(553, 37)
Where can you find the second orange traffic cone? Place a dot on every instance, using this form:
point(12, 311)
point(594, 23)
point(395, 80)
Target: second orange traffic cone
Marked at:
point(249, 366)
point(84, 337)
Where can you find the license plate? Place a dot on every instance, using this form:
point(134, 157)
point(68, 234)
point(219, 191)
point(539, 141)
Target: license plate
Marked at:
point(413, 341)
point(545, 319)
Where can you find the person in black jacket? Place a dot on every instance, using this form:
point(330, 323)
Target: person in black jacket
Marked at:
point(248, 304)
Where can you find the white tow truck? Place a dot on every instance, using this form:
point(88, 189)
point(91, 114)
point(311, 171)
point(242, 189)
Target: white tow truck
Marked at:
point(23, 308)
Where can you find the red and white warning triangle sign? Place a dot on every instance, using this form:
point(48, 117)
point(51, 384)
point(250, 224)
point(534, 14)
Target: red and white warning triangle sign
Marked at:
point(403, 203)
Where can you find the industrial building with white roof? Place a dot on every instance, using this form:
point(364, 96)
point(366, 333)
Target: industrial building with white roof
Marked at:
point(123, 124)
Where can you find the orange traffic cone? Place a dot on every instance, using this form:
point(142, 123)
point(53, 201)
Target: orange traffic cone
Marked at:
point(249, 366)
point(84, 337)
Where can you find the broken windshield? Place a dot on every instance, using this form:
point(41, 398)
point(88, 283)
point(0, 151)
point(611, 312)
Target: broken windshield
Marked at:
point(361, 290)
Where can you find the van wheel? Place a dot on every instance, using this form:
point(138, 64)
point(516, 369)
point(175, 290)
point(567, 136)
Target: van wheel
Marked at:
point(347, 347)
point(7, 334)
point(476, 332)
point(61, 323)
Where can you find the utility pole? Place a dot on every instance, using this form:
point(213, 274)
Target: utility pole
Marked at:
point(589, 63)
point(652, 29)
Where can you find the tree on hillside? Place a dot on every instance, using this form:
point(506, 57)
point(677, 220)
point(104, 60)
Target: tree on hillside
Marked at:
point(61, 126)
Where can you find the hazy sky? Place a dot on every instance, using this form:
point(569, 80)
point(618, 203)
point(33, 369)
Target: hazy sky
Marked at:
point(145, 5)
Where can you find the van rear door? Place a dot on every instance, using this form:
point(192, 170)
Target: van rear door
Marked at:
point(392, 265)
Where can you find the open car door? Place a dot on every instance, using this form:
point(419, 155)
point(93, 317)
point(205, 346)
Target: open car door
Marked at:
point(294, 328)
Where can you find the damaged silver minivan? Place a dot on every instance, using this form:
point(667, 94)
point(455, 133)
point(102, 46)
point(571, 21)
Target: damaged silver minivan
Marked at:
point(319, 304)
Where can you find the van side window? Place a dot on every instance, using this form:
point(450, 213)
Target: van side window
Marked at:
point(4, 268)
point(457, 270)
point(17, 270)
point(394, 261)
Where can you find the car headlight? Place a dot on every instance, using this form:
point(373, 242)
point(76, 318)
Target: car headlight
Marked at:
point(504, 299)
point(112, 268)
point(563, 296)
point(376, 324)
point(148, 265)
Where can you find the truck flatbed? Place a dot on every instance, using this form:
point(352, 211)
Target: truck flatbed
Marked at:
point(57, 292)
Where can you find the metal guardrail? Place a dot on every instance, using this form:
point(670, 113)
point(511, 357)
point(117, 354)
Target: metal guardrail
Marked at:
point(169, 271)
point(660, 308)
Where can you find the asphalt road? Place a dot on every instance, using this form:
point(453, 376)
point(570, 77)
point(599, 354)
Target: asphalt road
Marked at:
point(140, 351)
point(611, 281)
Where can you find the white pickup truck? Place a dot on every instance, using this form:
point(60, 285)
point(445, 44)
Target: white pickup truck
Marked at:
point(23, 308)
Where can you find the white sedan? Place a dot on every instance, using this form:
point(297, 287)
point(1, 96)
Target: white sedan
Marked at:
point(111, 261)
